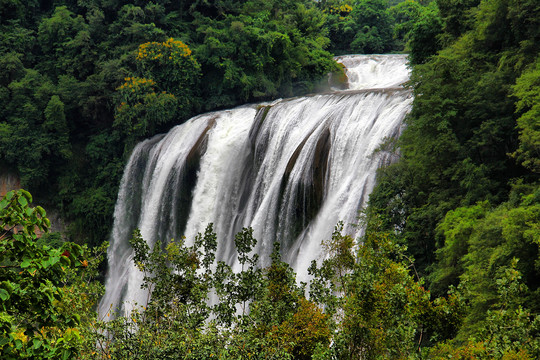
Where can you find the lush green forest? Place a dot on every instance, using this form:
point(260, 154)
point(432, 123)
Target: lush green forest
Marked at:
point(464, 197)
point(83, 81)
point(449, 266)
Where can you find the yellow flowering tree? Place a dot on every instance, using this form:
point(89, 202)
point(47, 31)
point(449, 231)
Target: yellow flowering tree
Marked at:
point(171, 65)
point(161, 93)
point(338, 23)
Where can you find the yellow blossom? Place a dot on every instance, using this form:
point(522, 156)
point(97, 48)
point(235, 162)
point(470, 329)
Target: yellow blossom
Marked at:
point(19, 335)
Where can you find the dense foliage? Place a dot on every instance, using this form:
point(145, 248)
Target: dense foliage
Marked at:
point(82, 81)
point(365, 301)
point(363, 304)
point(46, 293)
point(464, 196)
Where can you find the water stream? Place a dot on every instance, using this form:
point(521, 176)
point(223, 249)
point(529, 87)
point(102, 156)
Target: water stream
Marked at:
point(290, 169)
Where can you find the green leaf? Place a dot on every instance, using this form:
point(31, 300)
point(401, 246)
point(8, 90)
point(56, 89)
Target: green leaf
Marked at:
point(41, 211)
point(8, 286)
point(4, 203)
point(26, 194)
point(26, 263)
point(53, 260)
point(22, 200)
point(4, 340)
point(37, 343)
point(4, 295)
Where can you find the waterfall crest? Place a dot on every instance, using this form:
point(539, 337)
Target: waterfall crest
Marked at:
point(290, 169)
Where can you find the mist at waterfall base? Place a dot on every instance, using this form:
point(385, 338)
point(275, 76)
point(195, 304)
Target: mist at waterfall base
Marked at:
point(290, 169)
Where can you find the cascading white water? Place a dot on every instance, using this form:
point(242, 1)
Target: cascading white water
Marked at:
point(290, 170)
point(375, 71)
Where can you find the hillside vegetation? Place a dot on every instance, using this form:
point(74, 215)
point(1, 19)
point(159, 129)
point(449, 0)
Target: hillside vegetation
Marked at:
point(449, 266)
point(83, 81)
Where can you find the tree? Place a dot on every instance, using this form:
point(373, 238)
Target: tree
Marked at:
point(31, 323)
point(65, 43)
point(255, 313)
point(527, 90)
point(71, 56)
point(423, 35)
point(405, 15)
point(505, 239)
point(457, 15)
point(36, 133)
point(373, 27)
point(174, 69)
point(380, 308)
point(460, 131)
point(142, 109)
point(270, 49)
point(165, 92)
point(339, 24)
point(56, 129)
point(510, 330)
point(456, 229)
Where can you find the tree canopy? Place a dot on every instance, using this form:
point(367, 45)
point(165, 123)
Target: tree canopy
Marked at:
point(448, 266)
point(83, 81)
point(463, 197)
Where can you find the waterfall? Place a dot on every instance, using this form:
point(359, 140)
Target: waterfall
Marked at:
point(290, 169)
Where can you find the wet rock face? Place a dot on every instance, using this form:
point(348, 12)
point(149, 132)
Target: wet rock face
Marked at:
point(309, 194)
point(338, 79)
point(185, 182)
point(8, 182)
